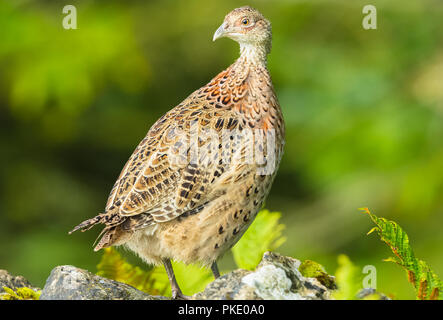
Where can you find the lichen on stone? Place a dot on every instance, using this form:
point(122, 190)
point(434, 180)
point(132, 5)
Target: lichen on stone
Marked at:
point(23, 293)
point(271, 282)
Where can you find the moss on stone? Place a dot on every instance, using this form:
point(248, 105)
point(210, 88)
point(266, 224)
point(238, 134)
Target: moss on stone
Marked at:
point(22, 293)
point(312, 269)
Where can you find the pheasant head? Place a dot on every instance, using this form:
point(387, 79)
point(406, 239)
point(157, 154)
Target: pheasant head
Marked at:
point(250, 29)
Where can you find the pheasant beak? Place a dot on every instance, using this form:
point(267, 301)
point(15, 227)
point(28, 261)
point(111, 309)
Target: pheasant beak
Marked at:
point(221, 32)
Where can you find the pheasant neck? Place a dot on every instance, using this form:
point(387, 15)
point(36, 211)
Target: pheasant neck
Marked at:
point(253, 54)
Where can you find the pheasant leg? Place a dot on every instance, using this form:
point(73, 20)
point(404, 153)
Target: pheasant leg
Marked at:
point(214, 270)
point(175, 289)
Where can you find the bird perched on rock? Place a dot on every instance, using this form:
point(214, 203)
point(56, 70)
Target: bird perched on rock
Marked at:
point(196, 181)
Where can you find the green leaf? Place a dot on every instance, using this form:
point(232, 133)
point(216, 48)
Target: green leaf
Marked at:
point(348, 279)
point(426, 282)
point(265, 234)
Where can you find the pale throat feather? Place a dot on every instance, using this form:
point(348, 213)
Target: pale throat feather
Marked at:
point(255, 54)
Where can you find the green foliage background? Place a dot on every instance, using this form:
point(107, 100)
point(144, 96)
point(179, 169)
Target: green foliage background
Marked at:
point(364, 115)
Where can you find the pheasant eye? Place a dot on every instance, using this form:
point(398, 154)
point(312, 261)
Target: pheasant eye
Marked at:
point(245, 21)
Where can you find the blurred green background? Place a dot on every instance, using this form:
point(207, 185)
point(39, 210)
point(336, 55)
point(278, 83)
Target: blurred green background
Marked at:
point(363, 109)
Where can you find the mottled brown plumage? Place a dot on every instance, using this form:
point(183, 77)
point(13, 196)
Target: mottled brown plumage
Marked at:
point(197, 180)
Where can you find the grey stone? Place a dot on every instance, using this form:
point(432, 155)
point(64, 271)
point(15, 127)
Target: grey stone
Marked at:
point(14, 282)
point(276, 278)
point(71, 283)
point(228, 287)
point(371, 293)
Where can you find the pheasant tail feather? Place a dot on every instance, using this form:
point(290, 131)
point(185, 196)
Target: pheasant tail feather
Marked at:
point(88, 224)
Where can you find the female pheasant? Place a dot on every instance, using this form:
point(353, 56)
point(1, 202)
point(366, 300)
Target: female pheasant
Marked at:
point(196, 181)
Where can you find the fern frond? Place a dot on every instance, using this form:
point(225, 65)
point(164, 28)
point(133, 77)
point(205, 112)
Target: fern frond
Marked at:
point(425, 281)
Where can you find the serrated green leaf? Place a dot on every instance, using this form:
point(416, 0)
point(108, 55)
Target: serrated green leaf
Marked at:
point(425, 281)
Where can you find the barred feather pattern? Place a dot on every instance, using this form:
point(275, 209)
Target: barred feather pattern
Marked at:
point(163, 202)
